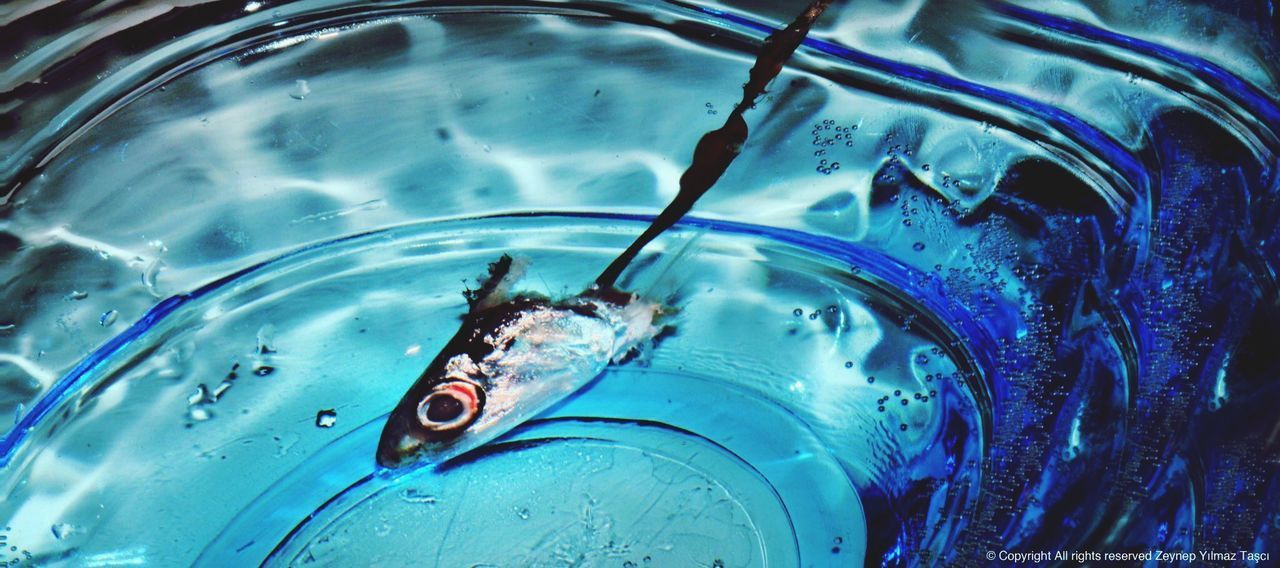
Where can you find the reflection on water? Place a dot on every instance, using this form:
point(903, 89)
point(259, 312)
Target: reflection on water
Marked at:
point(1008, 271)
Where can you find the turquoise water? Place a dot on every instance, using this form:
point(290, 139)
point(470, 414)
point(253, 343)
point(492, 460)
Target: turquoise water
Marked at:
point(984, 278)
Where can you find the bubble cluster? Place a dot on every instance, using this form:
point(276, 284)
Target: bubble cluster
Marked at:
point(827, 134)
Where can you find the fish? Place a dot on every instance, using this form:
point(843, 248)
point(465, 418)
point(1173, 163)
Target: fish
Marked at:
point(514, 356)
point(518, 354)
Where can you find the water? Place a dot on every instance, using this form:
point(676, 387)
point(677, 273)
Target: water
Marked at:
point(982, 279)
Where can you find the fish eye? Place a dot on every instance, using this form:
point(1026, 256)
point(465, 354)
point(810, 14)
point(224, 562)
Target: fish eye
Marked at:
point(449, 406)
point(443, 408)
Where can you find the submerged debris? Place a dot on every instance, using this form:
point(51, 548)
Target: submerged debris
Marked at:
point(149, 276)
point(62, 531)
point(417, 496)
point(266, 340)
point(300, 89)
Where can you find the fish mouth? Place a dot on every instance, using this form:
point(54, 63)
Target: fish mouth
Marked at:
point(397, 450)
point(401, 443)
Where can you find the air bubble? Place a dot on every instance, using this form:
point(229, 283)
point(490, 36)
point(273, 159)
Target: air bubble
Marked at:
point(149, 277)
point(107, 318)
point(919, 246)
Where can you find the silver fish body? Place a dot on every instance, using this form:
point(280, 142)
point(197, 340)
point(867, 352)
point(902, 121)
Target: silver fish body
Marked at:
point(511, 360)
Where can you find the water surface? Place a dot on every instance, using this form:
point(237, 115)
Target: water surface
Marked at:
point(985, 277)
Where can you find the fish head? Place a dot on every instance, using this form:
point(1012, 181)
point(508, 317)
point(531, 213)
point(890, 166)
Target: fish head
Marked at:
point(430, 421)
point(508, 364)
point(446, 416)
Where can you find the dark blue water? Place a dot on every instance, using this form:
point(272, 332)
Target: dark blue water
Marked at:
point(985, 278)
